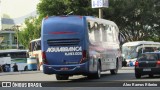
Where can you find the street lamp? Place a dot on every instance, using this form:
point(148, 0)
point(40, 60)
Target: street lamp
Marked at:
point(100, 4)
point(17, 28)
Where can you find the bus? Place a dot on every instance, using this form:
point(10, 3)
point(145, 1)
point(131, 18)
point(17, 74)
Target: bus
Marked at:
point(131, 50)
point(79, 45)
point(12, 56)
point(35, 51)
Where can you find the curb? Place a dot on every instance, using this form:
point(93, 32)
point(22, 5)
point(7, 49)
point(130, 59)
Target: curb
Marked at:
point(15, 73)
point(127, 68)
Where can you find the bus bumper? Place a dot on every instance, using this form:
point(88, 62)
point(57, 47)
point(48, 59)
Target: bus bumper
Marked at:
point(66, 69)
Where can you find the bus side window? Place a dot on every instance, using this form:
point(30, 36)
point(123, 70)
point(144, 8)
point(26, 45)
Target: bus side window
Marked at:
point(114, 34)
point(97, 32)
point(38, 45)
point(91, 32)
point(109, 33)
point(139, 52)
point(106, 28)
point(104, 33)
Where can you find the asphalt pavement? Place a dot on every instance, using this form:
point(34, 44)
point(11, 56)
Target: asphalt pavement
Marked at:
point(29, 72)
point(20, 72)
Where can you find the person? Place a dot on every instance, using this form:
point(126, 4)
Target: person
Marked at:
point(7, 67)
point(124, 63)
point(15, 68)
point(1, 70)
point(130, 63)
point(156, 50)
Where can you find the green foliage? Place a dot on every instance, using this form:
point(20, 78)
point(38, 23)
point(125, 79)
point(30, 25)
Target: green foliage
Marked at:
point(64, 7)
point(31, 31)
point(136, 19)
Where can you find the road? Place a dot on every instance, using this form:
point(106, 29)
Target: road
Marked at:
point(126, 74)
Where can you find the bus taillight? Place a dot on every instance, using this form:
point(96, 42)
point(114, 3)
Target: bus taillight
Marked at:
point(84, 56)
point(44, 58)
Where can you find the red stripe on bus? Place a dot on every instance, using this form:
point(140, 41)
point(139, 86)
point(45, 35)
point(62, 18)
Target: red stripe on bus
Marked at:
point(62, 32)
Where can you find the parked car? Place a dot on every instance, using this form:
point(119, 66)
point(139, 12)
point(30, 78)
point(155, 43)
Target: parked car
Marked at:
point(147, 64)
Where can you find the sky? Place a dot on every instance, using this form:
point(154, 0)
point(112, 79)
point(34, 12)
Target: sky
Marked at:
point(18, 8)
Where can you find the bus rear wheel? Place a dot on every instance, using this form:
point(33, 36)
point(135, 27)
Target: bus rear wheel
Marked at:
point(114, 71)
point(62, 77)
point(97, 75)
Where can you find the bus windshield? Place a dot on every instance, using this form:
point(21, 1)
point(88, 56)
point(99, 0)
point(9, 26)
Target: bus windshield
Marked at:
point(129, 52)
point(35, 45)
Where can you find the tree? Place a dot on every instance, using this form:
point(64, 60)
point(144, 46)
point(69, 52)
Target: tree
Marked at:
point(135, 18)
point(49, 8)
point(31, 31)
point(64, 7)
point(156, 33)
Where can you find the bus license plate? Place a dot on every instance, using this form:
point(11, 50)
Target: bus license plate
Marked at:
point(147, 69)
point(64, 69)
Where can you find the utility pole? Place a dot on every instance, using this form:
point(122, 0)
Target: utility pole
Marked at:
point(17, 29)
point(100, 4)
point(100, 13)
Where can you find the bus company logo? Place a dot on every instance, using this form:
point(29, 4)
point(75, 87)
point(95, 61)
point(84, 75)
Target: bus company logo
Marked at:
point(6, 84)
point(64, 49)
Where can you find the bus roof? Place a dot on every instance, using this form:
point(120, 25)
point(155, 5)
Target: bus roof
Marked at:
point(12, 50)
point(35, 40)
point(100, 20)
point(92, 18)
point(135, 43)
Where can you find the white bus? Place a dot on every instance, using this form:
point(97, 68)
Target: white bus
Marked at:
point(131, 50)
point(35, 51)
point(11, 56)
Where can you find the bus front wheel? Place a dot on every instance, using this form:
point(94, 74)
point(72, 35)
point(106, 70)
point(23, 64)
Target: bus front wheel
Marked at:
point(62, 77)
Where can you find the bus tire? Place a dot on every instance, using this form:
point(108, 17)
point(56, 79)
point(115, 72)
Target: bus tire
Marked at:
point(26, 68)
point(115, 71)
point(97, 75)
point(62, 77)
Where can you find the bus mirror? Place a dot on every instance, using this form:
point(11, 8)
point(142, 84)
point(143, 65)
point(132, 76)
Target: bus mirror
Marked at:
point(121, 38)
point(137, 49)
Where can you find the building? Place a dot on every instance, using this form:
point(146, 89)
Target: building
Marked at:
point(9, 39)
point(10, 18)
